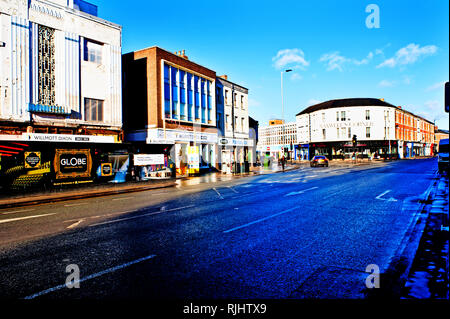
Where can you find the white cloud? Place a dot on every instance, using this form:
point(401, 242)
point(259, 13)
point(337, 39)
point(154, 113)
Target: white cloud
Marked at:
point(296, 76)
point(408, 55)
point(333, 61)
point(436, 86)
point(295, 58)
point(386, 83)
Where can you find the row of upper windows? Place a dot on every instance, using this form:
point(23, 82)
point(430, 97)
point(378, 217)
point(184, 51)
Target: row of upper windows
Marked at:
point(238, 99)
point(184, 93)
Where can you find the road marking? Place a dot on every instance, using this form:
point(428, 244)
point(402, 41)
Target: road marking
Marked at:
point(70, 205)
point(392, 199)
point(260, 220)
point(143, 215)
point(218, 193)
point(233, 189)
point(98, 274)
point(123, 198)
point(75, 224)
point(18, 211)
point(301, 192)
point(22, 218)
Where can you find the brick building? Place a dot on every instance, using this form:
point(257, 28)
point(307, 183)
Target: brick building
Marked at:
point(169, 106)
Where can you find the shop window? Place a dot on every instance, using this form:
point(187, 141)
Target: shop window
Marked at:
point(93, 110)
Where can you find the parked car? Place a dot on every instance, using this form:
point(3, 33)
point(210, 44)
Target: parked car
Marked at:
point(443, 163)
point(319, 160)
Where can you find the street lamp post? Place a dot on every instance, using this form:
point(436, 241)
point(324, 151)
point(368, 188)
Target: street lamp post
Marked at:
point(282, 109)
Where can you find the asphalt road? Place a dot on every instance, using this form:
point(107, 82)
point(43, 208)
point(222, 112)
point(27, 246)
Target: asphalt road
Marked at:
point(308, 233)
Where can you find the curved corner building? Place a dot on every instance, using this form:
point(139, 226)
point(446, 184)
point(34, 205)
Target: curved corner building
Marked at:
point(382, 129)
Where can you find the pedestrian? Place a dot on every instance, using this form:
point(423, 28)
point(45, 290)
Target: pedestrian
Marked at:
point(282, 162)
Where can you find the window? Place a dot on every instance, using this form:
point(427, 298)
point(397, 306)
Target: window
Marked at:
point(208, 92)
point(46, 67)
point(189, 96)
point(167, 90)
point(324, 135)
point(367, 115)
point(242, 102)
point(242, 124)
point(227, 122)
point(342, 115)
point(174, 73)
point(323, 117)
point(337, 116)
point(197, 98)
point(93, 51)
point(349, 132)
point(235, 100)
point(226, 97)
point(93, 110)
point(368, 132)
point(343, 131)
point(182, 95)
point(337, 132)
point(203, 92)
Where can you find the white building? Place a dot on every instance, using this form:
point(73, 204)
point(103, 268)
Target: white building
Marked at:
point(328, 128)
point(233, 126)
point(273, 139)
point(60, 92)
point(60, 68)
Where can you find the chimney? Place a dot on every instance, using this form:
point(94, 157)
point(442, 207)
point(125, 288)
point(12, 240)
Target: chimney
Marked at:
point(183, 55)
point(400, 107)
point(224, 76)
point(382, 100)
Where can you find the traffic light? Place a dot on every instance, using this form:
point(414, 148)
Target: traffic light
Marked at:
point(354, 141)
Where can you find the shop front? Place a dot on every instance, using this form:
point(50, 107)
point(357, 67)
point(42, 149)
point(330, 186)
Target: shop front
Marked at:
point(236, 155)
point(38, 160)
point(192, 152)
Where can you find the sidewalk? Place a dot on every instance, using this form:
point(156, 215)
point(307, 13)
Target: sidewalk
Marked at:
point(82, 192)
point(429, 274)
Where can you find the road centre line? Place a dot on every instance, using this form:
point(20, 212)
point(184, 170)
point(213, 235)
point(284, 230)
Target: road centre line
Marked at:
point(123, 198)
point(71, 205)
point(260, 220)
point(143, 215)
point(22, 218)
point(98, 274)
point(18, 211)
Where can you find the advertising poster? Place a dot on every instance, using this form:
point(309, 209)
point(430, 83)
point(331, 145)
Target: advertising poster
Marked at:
point(72, 163)
point(193, 160)
point(32, 159)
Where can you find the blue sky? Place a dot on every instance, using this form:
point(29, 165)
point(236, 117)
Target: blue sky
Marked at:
point(327, 44)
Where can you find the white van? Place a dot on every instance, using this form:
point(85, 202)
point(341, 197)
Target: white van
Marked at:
point(443, 155)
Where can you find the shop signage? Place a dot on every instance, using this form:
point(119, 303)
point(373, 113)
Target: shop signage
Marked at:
point(32, 159)
point(171, 136)
point(67, 138)
point(235, 142)
point(347, 124)
point(106, 169)
point(72, 163)
point(148, 159)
